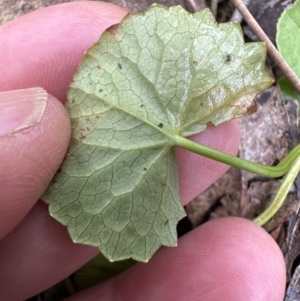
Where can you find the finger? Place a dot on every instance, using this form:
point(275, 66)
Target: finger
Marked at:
point(226, 259)
point(34, 136)
point(59, 256)
point(44, 48)
point(37, 254)
point(53, 42)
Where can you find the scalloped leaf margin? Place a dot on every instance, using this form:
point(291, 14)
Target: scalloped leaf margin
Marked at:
point(156, 75)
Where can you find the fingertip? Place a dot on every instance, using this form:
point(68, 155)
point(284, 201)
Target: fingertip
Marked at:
point(247, 260)
point(31, 156)
point(225, 259)
point(232, 259)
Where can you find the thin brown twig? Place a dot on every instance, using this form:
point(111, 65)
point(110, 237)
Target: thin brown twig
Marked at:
point(285, 68)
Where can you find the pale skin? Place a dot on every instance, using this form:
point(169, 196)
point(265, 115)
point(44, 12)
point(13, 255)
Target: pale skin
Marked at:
point(227, 259)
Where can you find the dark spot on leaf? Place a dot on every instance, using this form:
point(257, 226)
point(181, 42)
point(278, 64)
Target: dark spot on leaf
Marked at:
point(166, 222)
point(160, 125)
point(201, 104)
point(97, 117)
point(195, 63)
point(145, 168)
point(100, 90)
point(120, 66)
point(142, 105)
point(228, 58)
point(88, 129)
point(82, 137)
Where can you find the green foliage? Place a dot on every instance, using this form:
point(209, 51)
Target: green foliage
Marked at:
point(288, 36)
point(288, 91)
point(156, 76)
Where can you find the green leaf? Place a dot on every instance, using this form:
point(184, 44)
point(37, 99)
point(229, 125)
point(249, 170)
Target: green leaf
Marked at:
point(155, 76)
point(288, 36)
point(288, 90)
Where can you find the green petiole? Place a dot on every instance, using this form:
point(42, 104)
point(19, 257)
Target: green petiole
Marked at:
point(281, 194)
point(289, 166)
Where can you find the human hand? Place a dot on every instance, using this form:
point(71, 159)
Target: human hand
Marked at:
point(226, 259)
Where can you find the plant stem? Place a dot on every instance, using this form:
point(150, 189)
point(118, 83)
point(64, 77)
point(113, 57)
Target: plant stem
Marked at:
point(289, 165)
point(285, 68)
point(281, 194)
point(262, 170)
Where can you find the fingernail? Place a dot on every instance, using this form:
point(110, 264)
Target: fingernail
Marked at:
point(21, 109)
